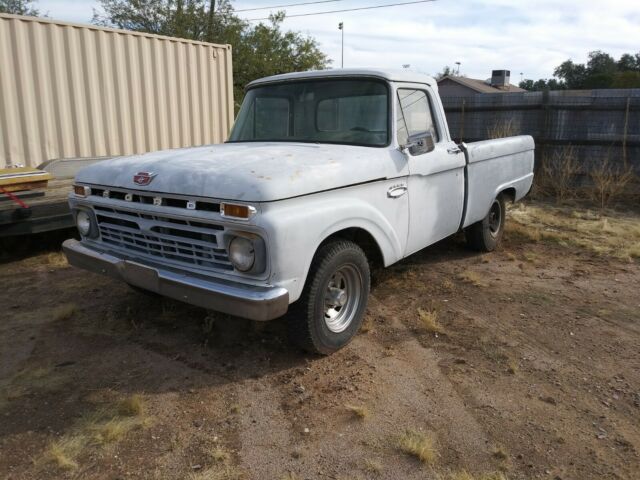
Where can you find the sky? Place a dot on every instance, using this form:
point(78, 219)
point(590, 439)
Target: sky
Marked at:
point(529, 37)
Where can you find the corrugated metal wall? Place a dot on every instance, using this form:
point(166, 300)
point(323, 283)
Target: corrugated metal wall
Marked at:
point(71, 90)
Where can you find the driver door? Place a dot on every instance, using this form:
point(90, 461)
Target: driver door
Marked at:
point(436, 178)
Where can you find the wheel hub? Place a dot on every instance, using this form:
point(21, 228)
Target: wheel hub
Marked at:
point(342, 298)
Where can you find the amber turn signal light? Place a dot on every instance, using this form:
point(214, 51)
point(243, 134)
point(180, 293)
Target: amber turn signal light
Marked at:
point(81, 190)
point(236, 211)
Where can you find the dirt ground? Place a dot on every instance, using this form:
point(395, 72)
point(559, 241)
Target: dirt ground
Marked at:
point(521, 364)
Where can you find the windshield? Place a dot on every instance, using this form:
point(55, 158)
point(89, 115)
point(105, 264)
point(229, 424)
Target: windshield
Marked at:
point(344, 111)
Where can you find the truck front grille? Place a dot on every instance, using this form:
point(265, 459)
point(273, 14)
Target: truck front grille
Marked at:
point(180, 242)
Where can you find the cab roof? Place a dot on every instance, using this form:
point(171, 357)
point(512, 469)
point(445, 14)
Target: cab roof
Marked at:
point(390, 75)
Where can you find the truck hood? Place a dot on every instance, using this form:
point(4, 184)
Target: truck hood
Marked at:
point(252, 172)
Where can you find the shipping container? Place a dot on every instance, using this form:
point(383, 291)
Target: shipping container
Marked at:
point(82, 91)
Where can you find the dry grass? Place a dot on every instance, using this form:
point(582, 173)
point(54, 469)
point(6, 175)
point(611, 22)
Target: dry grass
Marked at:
point(64, 312)
point(131, 406)
point(418, 445)
point(44, 379)
point(606, 233)
point(57, 259)
point(464, 475)
point(104, 426)
point(113, 430)
point(502, 129)
point(500, 453)
point(289, 476)
point(447, 285)
point(220, 455)
point(429, 320)
point(373, 466)
point(63, 452)
point(361, 412)
point(473, 278)
point(558, 174)
point(228, 472)
point(609, 181)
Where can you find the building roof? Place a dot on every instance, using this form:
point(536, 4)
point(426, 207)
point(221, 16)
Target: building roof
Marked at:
point(392, 75)
point(480, 86)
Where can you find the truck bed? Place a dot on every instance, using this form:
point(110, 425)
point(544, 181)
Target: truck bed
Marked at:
point(494, 166)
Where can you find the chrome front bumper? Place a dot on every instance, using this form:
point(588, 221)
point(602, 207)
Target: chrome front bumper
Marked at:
point(248, 301)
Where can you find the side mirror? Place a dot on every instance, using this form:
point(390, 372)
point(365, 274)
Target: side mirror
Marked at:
point(420, 143)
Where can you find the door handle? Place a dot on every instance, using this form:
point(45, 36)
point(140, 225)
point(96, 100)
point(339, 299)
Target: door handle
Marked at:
point(396, 191)
point(453, 150)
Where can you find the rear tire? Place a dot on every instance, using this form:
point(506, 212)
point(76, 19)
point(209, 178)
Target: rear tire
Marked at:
point(330, 310)
point(485, 235)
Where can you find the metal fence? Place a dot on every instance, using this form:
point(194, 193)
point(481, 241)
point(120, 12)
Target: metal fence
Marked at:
point(597, 125)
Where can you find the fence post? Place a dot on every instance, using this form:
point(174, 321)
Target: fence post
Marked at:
point(462, 120)
point(624, 134)
point(544, 127)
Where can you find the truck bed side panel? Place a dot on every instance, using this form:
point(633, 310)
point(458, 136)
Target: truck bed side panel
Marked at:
point(493, 167)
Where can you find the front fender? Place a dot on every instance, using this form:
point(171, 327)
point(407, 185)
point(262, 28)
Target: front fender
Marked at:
point(297, 227)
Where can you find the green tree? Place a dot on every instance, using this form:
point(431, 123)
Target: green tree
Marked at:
point(258, 49)
point(18, 7)
point(573, 75)
point(628, 79)
point(446, 71)
point(541, 85)
point(629, 63)
point(600, 71)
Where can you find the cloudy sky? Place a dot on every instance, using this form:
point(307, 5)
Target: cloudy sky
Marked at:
point(529, 36)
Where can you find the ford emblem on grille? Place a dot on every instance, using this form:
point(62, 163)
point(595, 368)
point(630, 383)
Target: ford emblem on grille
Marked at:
point(143, 178)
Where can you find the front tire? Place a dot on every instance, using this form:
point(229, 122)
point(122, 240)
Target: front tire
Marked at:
point(485, 235)
point(330, 310)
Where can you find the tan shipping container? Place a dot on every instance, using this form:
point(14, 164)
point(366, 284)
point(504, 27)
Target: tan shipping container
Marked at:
point(71, 91)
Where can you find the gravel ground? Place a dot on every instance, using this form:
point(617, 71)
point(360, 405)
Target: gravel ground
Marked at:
point(523, 363)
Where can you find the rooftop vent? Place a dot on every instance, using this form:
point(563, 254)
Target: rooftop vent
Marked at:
point(500, 78)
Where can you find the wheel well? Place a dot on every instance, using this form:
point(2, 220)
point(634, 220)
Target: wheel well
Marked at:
point(364, 240)
point(509, 193)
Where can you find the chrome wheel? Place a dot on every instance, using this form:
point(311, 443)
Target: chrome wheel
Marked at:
point(342, 298)
point(495, 218)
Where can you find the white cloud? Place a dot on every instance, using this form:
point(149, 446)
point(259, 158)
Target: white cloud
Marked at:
point(524, 36)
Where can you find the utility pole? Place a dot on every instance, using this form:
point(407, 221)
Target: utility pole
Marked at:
point(458, 73)
point(341, 28)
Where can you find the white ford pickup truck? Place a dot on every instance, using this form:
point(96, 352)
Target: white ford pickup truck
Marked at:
point(325, 175)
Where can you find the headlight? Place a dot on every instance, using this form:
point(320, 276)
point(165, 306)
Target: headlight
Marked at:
point(83, 222)
point(242, 253)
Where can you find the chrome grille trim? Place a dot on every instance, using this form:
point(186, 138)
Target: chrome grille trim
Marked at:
point(147, 198)
point(181, 242)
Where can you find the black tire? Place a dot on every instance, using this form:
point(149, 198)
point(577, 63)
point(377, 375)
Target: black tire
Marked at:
point(311, 324)
point(485, 235)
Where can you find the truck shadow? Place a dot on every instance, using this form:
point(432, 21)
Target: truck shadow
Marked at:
point(113, 339)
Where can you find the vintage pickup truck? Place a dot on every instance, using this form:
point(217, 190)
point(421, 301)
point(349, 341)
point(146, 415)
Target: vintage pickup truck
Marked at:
point(326, 174)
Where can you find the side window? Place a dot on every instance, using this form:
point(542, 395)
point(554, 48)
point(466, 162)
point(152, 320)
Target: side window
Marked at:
point(414, 115)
